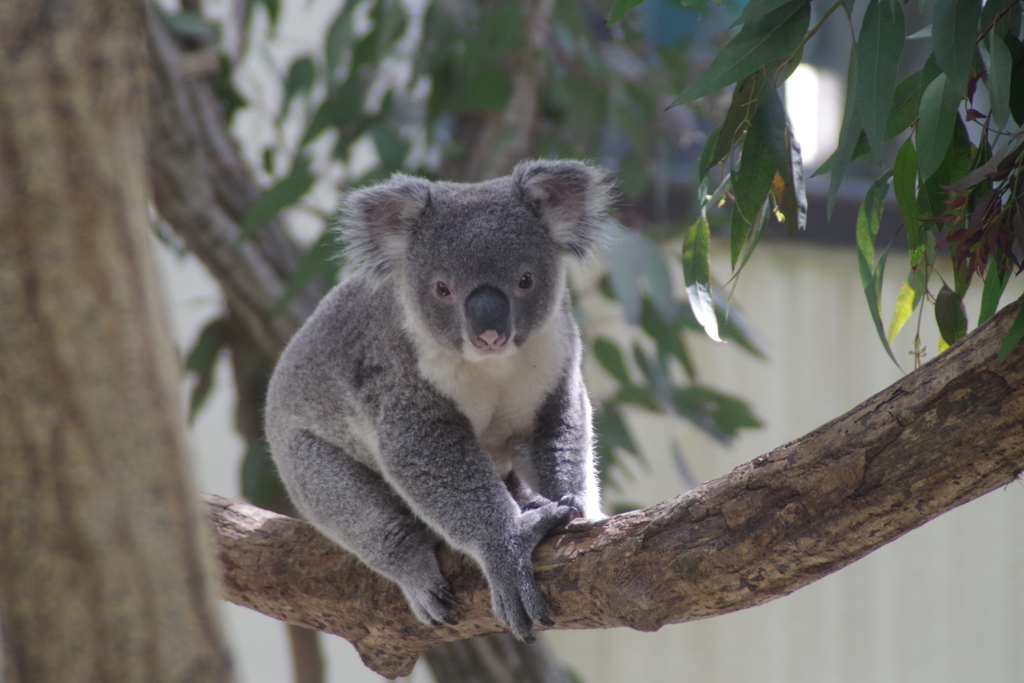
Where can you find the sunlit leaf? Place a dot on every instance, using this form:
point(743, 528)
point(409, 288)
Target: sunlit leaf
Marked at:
point(697, 275)
point(954, 32)
point(878, 52)
point(950, 315)
point(868, 219)
point(909, 296)
point(935, 128)
point(775, 36)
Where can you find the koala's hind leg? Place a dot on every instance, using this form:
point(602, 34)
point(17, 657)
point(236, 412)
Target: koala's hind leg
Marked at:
point(353, 505)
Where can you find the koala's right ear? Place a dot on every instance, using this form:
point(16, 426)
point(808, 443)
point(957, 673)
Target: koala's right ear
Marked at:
point(376, 221)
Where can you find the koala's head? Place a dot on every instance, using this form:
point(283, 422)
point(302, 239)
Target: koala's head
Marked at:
point(479, 267)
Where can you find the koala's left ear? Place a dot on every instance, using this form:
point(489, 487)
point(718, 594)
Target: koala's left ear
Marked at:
point(571, 197)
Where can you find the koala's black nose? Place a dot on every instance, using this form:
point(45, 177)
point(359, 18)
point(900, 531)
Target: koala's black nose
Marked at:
point(487, 310)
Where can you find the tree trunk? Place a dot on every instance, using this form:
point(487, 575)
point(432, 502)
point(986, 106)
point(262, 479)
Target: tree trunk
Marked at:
point(105, 566)
point(941, 436)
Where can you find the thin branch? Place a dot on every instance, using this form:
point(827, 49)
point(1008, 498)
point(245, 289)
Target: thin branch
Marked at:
point(943, 435)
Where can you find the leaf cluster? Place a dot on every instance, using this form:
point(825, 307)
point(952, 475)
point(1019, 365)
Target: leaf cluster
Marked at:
point(957, 173)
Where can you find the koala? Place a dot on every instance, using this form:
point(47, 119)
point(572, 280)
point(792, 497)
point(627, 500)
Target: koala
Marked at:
point(435, 394)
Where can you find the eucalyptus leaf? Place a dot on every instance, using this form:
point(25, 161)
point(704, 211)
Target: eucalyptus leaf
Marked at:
point(868, 219)
point(1000, 69)
point(697, 275)
point(286, 192)
point(775, 36)
point(1013, 336)
point(619, 10)
point(954, 33)
point(878, 52)
point(950, 315)
point(610, 358)
point(935, 128)
point(849, 133)
point(904, 183)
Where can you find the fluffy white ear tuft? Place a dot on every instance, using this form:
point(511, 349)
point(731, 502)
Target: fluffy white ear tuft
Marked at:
point(572, 198)
point(375, 222)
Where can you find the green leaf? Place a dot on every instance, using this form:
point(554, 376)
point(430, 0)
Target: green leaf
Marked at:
point(878, 53)
point(610, 358)
point(848, 134)
point(301, 76)
point(286, 192)
point(619, 10)
point(1000, 69)
point(1013, 337)
point(192, 26)
point(667, 335)
point(318, 262)
point(202, 360)
point(719, 415)
point(339, 38)
point(260, 484)
point(905, 104)
point(697, 275)
point(756, 9)
point(904, 111)
point(392, 148)
point(775, 36)
point(996, 279)
point(868, 219)
point(909, 296)
point(950, 315)
point(788, 182)
point(636, 265)
point(954, 32)
point(904, 185)
point(745, 99)
point(751, 185)
point(1016, 78)
point(938, 115)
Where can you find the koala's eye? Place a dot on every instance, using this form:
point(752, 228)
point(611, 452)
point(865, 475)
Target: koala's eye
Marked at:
point(441, 289)
point(526, 281)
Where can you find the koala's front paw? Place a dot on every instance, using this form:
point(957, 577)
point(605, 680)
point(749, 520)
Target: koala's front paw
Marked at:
point(515, 597)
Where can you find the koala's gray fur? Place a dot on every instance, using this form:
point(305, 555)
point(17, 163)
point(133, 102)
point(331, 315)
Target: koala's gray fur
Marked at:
point(400, 414)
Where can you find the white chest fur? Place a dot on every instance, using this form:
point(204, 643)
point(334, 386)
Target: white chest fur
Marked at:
point(500, 396)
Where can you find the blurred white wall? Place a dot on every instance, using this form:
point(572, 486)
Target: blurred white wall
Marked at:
point(943, 604)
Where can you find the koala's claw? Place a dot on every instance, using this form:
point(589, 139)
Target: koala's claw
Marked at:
point(546, 621)
point(445, 595)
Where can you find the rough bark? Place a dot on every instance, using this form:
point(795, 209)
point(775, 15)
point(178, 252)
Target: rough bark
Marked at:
point(106, 570)
point(941, 436)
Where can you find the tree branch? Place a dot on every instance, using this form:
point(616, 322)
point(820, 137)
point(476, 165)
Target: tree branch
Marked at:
point(941, 436)
point(202, 188)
